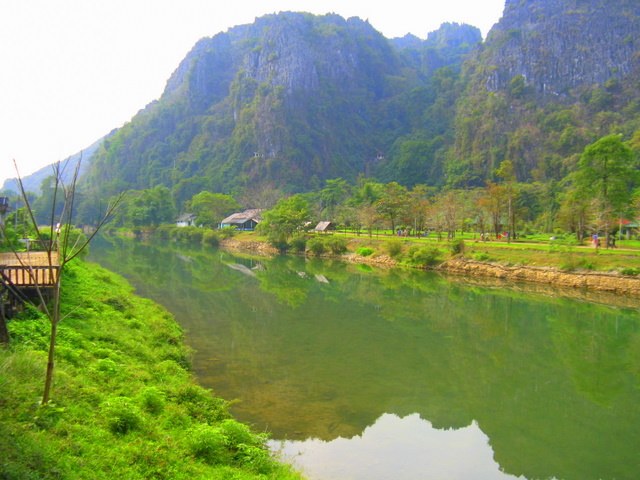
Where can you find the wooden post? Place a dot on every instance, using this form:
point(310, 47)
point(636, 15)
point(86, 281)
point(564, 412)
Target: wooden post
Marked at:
point(4, 333)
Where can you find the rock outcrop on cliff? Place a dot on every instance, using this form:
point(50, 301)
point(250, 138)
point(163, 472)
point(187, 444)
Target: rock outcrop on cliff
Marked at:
point(552, 77)
point(295, 99)
point(558, 46)
point(290, 100)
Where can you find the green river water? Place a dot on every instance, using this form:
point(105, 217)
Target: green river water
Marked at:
point(362, 373)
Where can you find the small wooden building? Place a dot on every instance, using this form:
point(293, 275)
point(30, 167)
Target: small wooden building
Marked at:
point(324, 227)
point(29, 269)
point(629, 227)
point(26, 276)
point(186, 220)
point(247, 220)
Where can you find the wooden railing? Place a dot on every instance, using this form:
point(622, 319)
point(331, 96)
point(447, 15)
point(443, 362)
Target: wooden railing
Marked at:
point(30, 276)
point(28, 270)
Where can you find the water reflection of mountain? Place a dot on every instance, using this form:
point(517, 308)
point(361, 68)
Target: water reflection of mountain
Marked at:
point(552, 382)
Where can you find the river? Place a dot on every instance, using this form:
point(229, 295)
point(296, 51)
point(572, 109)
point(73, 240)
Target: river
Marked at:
point(364, 373)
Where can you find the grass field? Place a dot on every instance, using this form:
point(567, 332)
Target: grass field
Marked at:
point(535, 250)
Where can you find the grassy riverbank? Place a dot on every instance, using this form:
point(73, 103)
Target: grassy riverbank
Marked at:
point(124, 403)
point(561, 254)
point(553, 262)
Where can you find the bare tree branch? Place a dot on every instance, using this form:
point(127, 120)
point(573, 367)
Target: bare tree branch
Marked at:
point(59, 252)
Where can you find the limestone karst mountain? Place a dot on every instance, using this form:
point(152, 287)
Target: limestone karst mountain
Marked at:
point(294, 99)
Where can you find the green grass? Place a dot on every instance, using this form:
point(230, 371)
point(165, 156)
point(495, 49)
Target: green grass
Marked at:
point(537, 251)
point(124, 404)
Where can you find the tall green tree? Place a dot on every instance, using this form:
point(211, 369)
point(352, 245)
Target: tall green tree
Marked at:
point(449, 212)
point(211, 208)
point(493, 202)
point(49, 202)
point(287, 217)
point(607, 175)
point(418, 205)
point(574, 212)
point(508, 175)
point(333, 194)
point(149, 207)
point(367, 193)
point(393, 203)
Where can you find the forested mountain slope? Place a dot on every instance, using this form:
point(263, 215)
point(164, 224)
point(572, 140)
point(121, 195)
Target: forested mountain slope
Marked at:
point(290, 100)
point(552, 77)
point(294, 99)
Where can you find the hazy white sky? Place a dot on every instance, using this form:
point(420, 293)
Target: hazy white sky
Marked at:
point(72, 70)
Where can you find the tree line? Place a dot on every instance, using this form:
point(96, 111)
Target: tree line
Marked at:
point(602, 189)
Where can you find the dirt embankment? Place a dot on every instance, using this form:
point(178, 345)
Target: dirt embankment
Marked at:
point(260, 248)
point(597, 281)
point(603, 282)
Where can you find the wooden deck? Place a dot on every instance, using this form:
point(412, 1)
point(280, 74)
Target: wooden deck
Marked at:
point(29, 269)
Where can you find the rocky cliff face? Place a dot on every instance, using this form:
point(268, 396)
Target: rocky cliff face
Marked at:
point(444, 47)
point(295, 51)
point(552, 77)
point(291, 99)
point(294, 99)
point(558, 46)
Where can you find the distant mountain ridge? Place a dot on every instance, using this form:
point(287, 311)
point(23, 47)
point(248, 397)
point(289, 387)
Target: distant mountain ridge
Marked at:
point(33, 182)
point(291, 100)
point(294, 99)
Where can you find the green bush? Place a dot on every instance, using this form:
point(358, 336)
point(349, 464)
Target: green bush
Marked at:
point(230, 443)
point(279, 242)
point(208, 443)
point(179, 234)
point(173, 234)
point(425, 256)
point(238, 433)
point(122, 415)
point(117, 303)
point(337, 245)
point(256, 458)
point(107, 367)
point(572, 264)
point(194, 234)
point(298, 244)
point(393, 247)
point(364, 251)
point(152, 400)
point(201, 405)
point(186, 234)
point(247, 448)
point(48, 415)
point(316, 245)
point(457, 246)
point(482, 257)
point(630, 271)
point(210, 238)
point(227, 232)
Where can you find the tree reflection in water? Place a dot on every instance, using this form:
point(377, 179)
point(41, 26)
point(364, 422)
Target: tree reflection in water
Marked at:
point(323, 350)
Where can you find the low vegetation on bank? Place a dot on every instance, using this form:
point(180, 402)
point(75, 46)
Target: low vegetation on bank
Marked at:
point(427, 251)
point(124, 404)
point(565, 255)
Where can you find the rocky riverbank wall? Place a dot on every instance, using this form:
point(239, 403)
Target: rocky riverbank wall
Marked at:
point(597, 281)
